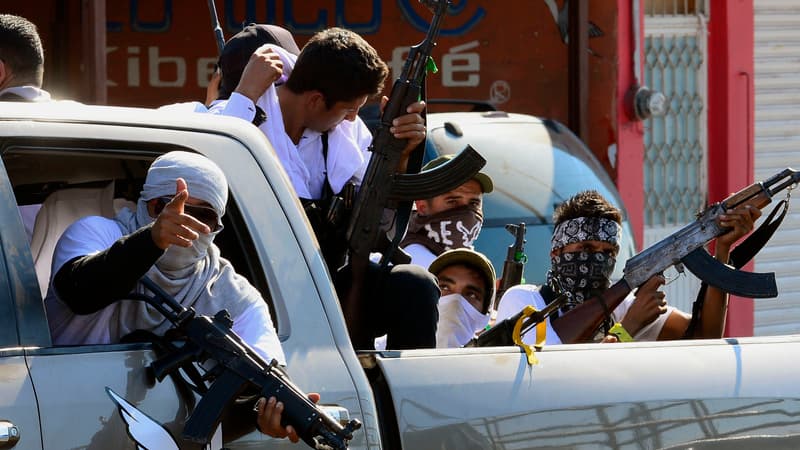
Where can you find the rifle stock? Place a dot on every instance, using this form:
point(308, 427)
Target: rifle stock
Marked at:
point(580, 323)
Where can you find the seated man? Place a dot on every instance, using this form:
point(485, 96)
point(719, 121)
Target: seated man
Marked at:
point(448, 221)
point(169, 238)
point(585, 243)
point(467, 281)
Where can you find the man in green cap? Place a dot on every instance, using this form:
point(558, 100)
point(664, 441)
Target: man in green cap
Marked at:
point(448, 221)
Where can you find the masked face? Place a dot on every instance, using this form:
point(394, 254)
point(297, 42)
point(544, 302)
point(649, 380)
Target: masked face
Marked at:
point(458, 321)
point(180, 261)
point(583, 274)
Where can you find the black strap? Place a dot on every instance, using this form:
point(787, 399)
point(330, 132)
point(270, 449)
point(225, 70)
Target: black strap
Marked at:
point(739, 257)
point(260, 116)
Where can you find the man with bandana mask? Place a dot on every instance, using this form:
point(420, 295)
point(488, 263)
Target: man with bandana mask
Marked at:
point(585, 243)
point(448, 221)
point(169, 238)
point(467, 281)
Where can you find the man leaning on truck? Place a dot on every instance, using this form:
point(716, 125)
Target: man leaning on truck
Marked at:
point(169, 237)
point(21, 61)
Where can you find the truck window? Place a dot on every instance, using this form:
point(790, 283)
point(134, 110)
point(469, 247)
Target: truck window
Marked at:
point(64, 181)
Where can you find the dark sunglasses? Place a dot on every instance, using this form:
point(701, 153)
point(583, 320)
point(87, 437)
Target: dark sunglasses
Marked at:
point(205, 214)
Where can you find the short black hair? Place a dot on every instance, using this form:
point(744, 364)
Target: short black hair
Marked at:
point(21, 48)
point(586, 204)
point(339, 64)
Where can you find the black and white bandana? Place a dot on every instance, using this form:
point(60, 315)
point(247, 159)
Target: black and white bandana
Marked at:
point(582, 274)
point(446, 230)
point(582, 229)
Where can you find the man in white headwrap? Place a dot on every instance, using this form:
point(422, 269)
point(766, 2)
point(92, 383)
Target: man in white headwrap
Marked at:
point(169, 238)
point(585, 243)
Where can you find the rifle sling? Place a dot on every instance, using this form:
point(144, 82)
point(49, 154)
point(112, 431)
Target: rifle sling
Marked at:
point(740, 256)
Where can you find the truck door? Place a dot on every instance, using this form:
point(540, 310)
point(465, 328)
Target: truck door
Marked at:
point(19, 417)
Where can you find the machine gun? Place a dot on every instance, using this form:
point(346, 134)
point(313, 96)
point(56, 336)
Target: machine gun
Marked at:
point(684, 248)
point(238, 366)
point(515, 261)
point(382, 186)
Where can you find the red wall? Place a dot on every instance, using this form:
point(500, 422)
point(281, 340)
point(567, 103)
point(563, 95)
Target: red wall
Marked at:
point(730, 120)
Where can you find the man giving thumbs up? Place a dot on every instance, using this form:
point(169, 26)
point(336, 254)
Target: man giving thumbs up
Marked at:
point(169, 238)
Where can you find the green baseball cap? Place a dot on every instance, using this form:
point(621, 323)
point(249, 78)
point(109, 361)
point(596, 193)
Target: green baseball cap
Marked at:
point(484, 180)
point(469, 258)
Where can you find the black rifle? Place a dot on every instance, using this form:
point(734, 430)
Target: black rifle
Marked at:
point(238, 367)
point(501, 334)
point(515, 261)
point(682, 248)
point(218, 36)
point(382, 187)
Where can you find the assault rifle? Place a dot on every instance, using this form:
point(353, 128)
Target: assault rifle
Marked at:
point(515, 261)
point(238, 366)
point(382, 186)
point(684, 248)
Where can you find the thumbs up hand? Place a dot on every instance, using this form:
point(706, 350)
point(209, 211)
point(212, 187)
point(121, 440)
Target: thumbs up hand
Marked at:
point(172, 226)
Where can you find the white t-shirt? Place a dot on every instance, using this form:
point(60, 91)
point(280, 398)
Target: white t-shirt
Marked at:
point(30, 93)
point(518, 297)
point(420, 255)
point(94, 234)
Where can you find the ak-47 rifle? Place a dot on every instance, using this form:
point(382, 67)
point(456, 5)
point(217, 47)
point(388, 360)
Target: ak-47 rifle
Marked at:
point(238, 366)
point(515, 261)
point(382, 187)
point(684, 248)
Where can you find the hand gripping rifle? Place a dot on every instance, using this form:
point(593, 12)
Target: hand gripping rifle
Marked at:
point(683, 248)
point(514, 263)
point(238, 366)
point(382, 186)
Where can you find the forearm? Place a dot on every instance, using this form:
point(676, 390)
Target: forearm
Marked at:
point(89, 283)
point(715, 306)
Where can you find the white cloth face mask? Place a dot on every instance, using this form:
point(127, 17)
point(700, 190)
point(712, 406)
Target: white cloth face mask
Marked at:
point(458, 321)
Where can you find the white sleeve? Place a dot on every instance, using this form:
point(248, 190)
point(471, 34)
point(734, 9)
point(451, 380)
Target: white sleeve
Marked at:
point(515, 300)
point(650, 331)
point(236, 106)
point(254, 326)
point(86, 236)
point(420, 255)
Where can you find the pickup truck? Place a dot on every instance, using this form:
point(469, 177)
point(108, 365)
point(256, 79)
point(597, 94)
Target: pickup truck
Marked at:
point(731, 393)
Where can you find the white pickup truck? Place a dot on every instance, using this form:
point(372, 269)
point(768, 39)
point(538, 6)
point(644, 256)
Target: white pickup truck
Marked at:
point(721, 394)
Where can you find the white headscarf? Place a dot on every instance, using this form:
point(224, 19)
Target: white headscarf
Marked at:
point(196, 276)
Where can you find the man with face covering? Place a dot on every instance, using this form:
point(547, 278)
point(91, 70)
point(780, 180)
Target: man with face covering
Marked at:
point(448, 221)
point(169, 238)
point(467, 281)
point(585, 243)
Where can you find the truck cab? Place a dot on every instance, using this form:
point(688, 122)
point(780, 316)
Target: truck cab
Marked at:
point(688, 394)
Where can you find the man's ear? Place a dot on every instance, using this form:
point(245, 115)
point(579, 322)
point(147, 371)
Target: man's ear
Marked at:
point(422, 207)
point(315, 101)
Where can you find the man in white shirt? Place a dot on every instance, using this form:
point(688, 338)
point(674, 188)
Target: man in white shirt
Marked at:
point(585, 243)
point(307, 106)
point(448, 221)
point(21, 61)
